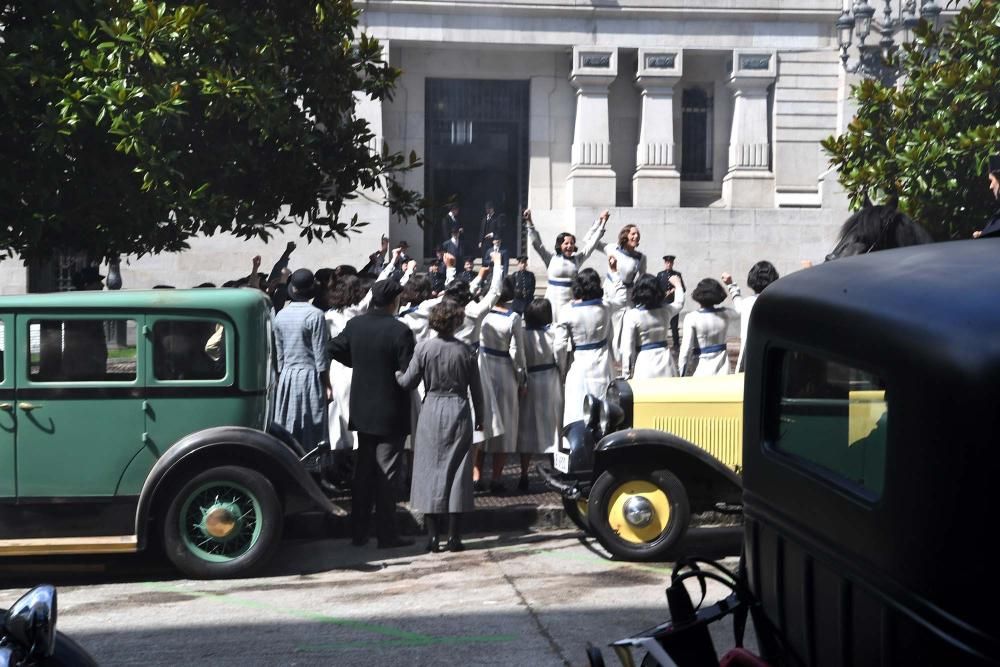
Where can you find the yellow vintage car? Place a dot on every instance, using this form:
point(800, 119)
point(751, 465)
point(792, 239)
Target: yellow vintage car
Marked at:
point(651, 453)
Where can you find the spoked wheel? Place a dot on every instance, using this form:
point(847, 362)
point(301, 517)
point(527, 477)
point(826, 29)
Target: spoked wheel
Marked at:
point(225, 522)
point(638, 514)
point(576, 510)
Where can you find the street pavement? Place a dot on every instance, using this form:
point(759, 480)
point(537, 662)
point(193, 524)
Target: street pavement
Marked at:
point(510, 599)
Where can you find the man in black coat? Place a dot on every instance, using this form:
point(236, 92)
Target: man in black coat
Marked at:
point(664, 279)
point(376, 345)
point(524, 286)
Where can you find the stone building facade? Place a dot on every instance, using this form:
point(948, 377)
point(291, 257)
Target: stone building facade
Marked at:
point(698, 120)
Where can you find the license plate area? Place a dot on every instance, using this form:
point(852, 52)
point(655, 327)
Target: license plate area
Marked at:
point(561, 461)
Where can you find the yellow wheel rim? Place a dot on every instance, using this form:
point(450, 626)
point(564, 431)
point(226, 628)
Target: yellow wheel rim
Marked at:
point(658, 502)
point(581, 507)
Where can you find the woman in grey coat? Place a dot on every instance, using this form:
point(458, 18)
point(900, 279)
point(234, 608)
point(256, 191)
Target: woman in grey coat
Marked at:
point(442, 456)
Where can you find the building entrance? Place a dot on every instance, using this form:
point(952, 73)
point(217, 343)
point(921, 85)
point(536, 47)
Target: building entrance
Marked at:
point(476, 152)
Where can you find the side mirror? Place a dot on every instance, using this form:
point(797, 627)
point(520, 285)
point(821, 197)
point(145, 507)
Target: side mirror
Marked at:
point(31, 621)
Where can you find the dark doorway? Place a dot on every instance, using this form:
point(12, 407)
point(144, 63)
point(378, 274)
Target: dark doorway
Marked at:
point(696, 132)
point(476, 151)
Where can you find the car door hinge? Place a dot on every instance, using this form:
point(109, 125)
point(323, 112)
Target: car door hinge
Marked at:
point(145, 438)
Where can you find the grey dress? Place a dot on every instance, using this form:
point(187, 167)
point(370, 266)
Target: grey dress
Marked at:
point(301, 335)
point(442, 459)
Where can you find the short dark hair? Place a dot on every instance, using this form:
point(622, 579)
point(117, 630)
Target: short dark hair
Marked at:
point(648, 292)
point(538, 314)
point(559, 240)
point(458, 291)
point(506, 288)
point(587, 285)
point(709, 293)
point(446, 317)
point(761, 275)
point(416, 290)
point(347, 292)
point(345, 270)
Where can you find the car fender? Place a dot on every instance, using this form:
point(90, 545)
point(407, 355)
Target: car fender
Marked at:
point(233, 445)
point(649, 447)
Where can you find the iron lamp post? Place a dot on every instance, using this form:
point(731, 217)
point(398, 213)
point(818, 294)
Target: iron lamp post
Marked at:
point(877, 60)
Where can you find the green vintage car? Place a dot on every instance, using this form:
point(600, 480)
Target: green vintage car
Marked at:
point(135, 418)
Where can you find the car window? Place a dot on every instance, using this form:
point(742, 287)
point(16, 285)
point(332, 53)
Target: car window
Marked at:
point(189, 350)
point(835, 417)
point(86, 350)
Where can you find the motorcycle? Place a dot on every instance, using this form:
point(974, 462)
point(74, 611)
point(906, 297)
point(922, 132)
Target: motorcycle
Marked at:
point(28, 636)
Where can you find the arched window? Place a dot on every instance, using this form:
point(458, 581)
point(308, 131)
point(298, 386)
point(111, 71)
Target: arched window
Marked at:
point(696, 135)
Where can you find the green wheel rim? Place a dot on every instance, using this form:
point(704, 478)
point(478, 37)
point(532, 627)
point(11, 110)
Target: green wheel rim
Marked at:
point(214, 499)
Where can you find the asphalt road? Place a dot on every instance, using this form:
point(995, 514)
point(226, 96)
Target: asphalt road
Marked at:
point(531, 599)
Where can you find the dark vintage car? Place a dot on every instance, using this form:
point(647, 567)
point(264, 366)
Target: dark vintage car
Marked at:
point(870, 453)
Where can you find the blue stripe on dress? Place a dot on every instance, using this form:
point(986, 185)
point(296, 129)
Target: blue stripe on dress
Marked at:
point(653, 346)
point(493, 352)
point(591, 346)
point(712, 349)
point(561, 283)
point(505, 313)
point(541, 367)
point(588, 302)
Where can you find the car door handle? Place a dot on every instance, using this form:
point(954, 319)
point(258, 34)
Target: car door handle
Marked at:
point(6, 407)
point(28, 407)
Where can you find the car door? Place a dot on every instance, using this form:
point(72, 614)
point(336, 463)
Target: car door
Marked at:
point(7, 415)
point(79, 403)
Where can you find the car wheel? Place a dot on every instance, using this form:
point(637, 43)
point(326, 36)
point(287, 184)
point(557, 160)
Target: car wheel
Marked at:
point(224, 522)
point(637, 514)
point(576, 510)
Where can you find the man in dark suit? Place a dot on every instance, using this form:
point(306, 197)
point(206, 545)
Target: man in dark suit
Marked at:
point(450, 224)
point(376, 345)
point(494, 228)
point(664, 279)
point(455, 246)
point(524, 286)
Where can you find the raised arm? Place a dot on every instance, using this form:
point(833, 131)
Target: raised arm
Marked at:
point(678, 305)
point(536, 240)
point(477, 310)
point(618, 295)
point(387, 270)
point(592, 238)
point(282, 263)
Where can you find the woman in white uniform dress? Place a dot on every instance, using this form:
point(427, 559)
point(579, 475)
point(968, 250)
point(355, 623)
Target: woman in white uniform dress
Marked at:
point(705, 330)
point(631, 265)
point(563, 265)
point(761, 275)
point(541, 406)
point(646, 329)
point(501, 365)
point(584, 326)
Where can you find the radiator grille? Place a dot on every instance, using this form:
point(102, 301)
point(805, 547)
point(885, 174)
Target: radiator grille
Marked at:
point(720, 437)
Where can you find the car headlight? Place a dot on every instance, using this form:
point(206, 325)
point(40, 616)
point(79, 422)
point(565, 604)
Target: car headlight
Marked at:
point(592, 410)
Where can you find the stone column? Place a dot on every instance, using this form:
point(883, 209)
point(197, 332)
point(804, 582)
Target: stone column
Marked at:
point(749, 182)
point(656, 182)
point(591, 181)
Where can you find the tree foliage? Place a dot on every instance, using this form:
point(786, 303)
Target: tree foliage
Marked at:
point(131, 126)
point(927, 141)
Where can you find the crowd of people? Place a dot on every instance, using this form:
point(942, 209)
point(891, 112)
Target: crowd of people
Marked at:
point(439, 372)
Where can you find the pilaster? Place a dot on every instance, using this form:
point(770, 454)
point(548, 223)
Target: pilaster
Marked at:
point(749, 181)
point(656, 182)
point(591, 181)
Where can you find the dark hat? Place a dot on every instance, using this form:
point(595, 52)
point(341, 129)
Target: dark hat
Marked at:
point(668, 258)
point(384, 291)
point(86, 276)
point(994, 163)
point(300, 285)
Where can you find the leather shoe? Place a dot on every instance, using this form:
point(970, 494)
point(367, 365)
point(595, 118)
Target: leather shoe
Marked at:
point(395, 543)
point(434, 545)
point(455, 544)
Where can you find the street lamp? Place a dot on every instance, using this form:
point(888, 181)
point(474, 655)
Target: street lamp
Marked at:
point(877, 60)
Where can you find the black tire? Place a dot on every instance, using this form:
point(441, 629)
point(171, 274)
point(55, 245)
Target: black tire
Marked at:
point(668, 523)
point(576, 513)
point(205, 547)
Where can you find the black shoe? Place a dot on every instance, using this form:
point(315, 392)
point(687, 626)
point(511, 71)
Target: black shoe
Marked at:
point(331, 488)
point(434, 545)
point(497, 488)
point(522, 484)
point(395, 543)
point(359, 541)
point(478, 486)
point(455, 544)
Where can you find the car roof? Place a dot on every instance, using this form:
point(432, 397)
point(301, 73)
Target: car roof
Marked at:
point(935, 301)
point(218, 299)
